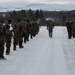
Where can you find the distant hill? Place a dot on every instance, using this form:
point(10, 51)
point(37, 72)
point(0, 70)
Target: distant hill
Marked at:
point(51, 7)
point(10, 6)
point(35, 6)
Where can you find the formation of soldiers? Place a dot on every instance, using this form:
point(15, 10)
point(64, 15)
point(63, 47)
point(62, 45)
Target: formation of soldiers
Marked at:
point(16, 33)
point(70, 29)
point(20, 32)
point(50, 27)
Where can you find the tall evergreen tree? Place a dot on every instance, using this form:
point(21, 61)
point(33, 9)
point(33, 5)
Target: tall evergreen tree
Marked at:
point(42, 19)
point(13, 16)
point(41, 15)
point(23, 14)
point(37, 15)
point(30, 14)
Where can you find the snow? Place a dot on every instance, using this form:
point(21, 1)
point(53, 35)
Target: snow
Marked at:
point(42, 55)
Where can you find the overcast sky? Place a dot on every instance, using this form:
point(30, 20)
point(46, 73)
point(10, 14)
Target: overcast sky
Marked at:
point(42, 1)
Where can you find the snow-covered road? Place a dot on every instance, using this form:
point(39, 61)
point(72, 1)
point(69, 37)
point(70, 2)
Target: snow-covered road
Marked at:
point(42, 55)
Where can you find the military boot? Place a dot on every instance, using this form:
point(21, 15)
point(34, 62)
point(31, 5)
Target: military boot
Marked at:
point(14, 48)
point(8, 51)
point(20, 45)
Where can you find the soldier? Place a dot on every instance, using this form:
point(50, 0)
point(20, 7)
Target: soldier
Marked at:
point(37, 28)
point(2, 41)
point(34, 29)
point(24, 26)
point(31, 31)
point(27, 36)
point(50, 28)
point(8, 35)
point(18, 34)
point(38, 25)
point(69, 28)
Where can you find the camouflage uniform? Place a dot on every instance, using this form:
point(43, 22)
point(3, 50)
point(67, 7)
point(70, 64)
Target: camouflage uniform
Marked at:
point(34, 29)
point(31, 31)
point(24, 26)
point(50, 28)
point(69, 29)
point(37, 28)
point(18, 34)
point(8, 38)
point(28, 32)
point(2, 41)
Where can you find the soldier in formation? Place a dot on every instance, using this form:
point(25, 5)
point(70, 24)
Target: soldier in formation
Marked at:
point(18, 34)
point(28, 30)
point(33, 29)
point(2, 40)
point(24, 26)
point(8, 36)
point(19, 31)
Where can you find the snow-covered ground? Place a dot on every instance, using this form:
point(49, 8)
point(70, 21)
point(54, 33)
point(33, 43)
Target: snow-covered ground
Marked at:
point(42, 55)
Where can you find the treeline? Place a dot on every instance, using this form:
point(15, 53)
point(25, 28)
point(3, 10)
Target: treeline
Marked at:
point(59, 17)
point(28, 14)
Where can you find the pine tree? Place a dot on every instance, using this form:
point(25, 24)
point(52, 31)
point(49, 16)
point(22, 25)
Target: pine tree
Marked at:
point(13, 16)
point(42, 19)
point(41, 15)
point(23, 14)
point(37, 15)
point(30, 14)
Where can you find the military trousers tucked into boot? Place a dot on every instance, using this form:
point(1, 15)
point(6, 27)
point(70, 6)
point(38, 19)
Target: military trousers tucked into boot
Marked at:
point(7, 50)
point(20, 43)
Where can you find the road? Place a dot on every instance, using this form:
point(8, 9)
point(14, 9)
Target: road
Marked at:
point(42, 55)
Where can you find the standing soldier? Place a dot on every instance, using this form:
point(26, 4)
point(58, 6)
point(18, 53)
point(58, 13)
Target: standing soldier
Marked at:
point(18, 34)
point(50, 28)
point(24, 26)
point(8, 35)
point(38, 25)
point(2, 41)
point(34, 29)
point(28, 32)
point(69, 28)
point(31, 29)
